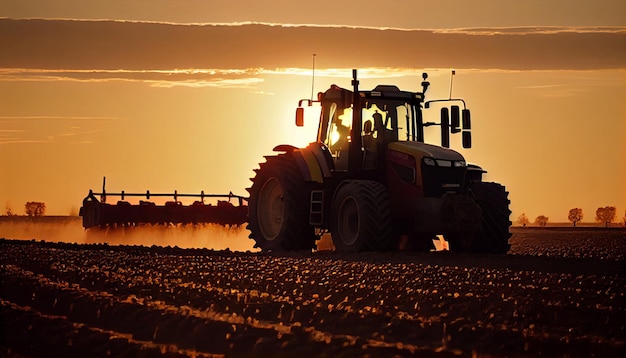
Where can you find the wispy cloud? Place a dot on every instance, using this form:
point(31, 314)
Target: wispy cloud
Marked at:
point(223, 83)
point(50, 129)
point(240, 78)
point(46, 118)
point(534, 30)
point(21, 141)
point(155, 78)
point(249, 78)
point(562, 90)
point(555, 90)
point(17, 136)
point(42, 140)
point(367, 72)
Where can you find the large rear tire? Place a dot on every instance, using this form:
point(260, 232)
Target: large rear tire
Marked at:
point(278, 207)
point(361, 217)
point(493, 199)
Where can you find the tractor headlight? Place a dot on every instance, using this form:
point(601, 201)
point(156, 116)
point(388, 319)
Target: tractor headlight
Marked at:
point(444, 163)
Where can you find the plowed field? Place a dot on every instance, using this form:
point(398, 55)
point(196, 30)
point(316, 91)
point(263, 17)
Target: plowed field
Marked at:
point(557, 293)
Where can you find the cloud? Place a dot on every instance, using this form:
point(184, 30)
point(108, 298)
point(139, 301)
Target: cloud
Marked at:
point(368, 72)
point(21, 141)
point(17, 136)
point(241, 78)
point(534, 30)
point(50, 129)
point(556, 90)
point(133, 46)
point(10, 135)
point(223, 83)
point(155, 78)
point(45, 118)
point(575, 89)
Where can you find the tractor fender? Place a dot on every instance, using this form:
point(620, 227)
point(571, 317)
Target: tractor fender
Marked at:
point(474, 174)
point(314, 161)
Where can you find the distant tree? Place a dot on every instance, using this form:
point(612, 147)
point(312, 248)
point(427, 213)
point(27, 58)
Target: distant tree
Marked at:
point(541, 220)
point(523, 220)
point(606, 215)
point(575, 215)
point(624, 217)
point(35, 208)
point(8, 209)
point(73, 211)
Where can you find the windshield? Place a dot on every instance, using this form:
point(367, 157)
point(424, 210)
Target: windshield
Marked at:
point(393, 120)
point(384, 121)
point(335, 128)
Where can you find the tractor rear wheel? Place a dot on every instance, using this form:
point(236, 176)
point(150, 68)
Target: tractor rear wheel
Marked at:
point(361, 217)
point(278, 207)
point(493, 199)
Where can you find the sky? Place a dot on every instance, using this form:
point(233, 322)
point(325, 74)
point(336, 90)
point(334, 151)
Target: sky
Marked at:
point(190, 95)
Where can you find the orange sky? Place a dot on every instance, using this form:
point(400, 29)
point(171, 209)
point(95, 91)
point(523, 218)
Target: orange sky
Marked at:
point(192, 108)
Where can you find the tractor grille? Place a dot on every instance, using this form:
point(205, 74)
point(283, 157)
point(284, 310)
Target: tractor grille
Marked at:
point(440, 180)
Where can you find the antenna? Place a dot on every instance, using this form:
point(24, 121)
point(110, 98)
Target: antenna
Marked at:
point(451, 77)
point(103, 196)
point(313, 79)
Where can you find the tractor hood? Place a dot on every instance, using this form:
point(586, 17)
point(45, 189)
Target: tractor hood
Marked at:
point(420, 150)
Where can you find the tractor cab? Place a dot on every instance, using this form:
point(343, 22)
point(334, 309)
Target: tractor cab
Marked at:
point(385, 115)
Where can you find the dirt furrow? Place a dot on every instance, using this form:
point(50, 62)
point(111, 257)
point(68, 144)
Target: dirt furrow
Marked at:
point(154, 327)
point(329, 304)
point(33, 333)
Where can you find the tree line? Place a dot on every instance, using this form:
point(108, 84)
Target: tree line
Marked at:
point(31, 208)
point(605, 215)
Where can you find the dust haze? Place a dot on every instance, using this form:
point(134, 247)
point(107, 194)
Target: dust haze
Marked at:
point(70, 230)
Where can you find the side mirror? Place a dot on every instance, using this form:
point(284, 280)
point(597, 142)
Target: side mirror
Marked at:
point(467, 139)
point(300, 116)
point(445, 127)
point(467, 121)
point(455, 119)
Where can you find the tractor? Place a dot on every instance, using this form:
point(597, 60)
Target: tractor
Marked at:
point(370, 180)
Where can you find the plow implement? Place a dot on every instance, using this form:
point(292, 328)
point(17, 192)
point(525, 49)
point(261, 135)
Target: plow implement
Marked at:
point(98, 213)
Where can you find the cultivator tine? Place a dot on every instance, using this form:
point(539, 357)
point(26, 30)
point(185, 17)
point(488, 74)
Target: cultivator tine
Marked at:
point(99, 213)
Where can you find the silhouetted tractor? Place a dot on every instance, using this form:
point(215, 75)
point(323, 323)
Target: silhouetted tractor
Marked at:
point(372, 182)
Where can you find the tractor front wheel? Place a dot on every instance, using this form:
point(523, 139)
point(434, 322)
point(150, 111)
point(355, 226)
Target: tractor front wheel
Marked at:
point(494, 201)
